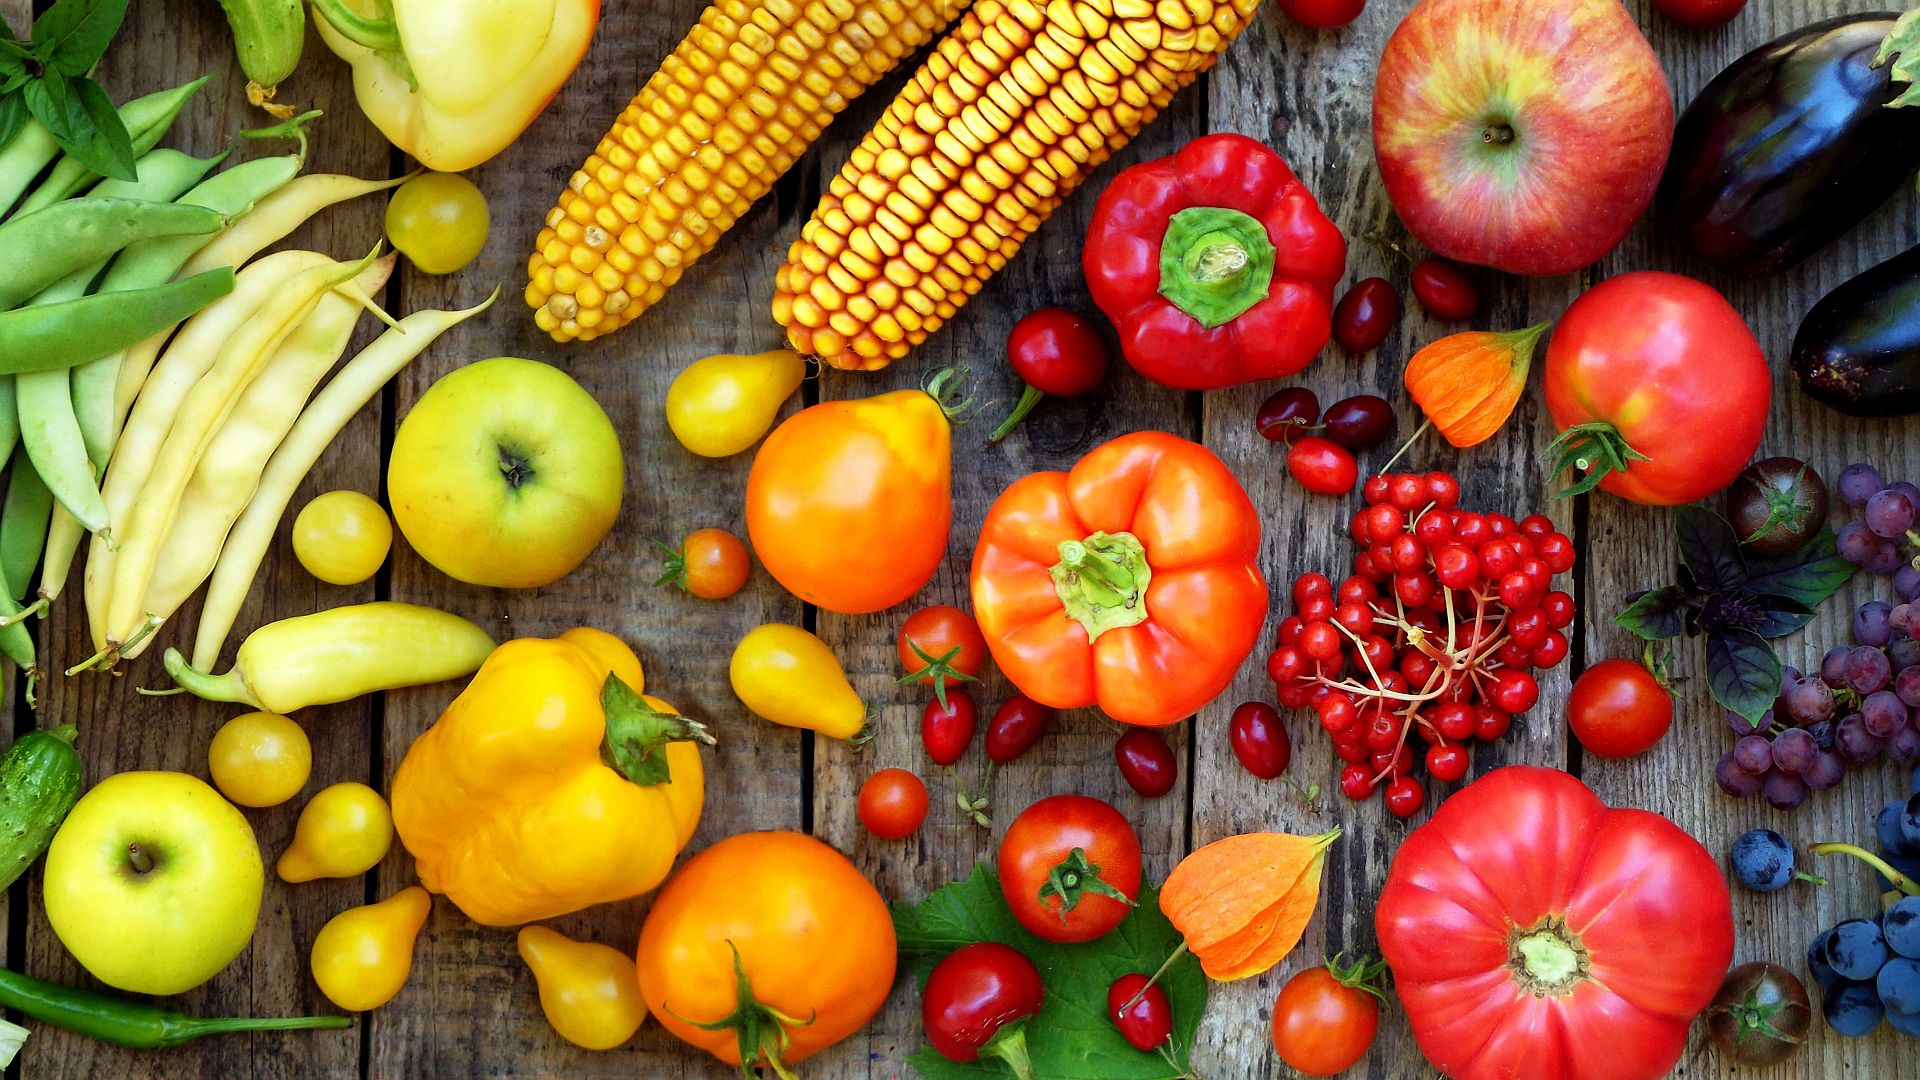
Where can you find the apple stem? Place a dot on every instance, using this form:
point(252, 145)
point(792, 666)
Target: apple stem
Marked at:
point(1497, 135)
point(142, 862)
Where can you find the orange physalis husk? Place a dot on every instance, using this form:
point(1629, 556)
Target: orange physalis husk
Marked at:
point(1468, 383)
point(1242, 902)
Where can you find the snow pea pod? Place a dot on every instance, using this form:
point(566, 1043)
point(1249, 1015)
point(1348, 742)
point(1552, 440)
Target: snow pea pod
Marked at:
point(62, 335)
point(32, 149)
point(147, 120)
point(86, 232)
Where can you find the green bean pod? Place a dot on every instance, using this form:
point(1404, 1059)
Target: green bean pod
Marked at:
point(23, 526)
point(62, 335)
point(147, 120)
point(33, 148)
point(16, 644)
point(267, 36)
point(230, 193)
point(77, 233)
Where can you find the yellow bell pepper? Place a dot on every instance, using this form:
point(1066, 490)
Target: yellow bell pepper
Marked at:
point(453, 82)
point(550, 784)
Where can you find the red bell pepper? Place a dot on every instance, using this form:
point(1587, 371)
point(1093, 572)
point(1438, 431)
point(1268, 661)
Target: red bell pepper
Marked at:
point(1215, 264)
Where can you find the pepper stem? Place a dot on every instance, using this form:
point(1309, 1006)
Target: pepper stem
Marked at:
point(198, 1026)
point(229, 687)
point(1029, 397)
point(1215, 263)
point(638, 734)
point(378, 32)
point(1102, 581)
point(1009, 1044)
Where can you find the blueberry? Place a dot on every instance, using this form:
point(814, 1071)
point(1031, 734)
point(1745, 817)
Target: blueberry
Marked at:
point(1907, 1024)
point(1817, 965)
point(1852, 1008)
point(1898, 985)
point(1893, 840)
point(1762, 860)
point(1856, 950)
point(1910, 824)
point(1900, 925)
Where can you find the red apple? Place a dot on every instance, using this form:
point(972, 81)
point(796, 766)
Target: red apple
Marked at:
point(1525, 135)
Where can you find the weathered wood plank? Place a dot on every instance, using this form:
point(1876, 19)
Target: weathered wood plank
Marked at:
point(1631, 548)
point(162, 45)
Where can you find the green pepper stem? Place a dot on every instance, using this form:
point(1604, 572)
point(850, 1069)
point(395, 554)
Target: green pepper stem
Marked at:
point(378, 32)
point(1104, 573)
point(1029, 397)
point(638, 734)
point(1215, 263)
point(1102, 581)
point(186, 1029)
point(1009, 1044)
point(229, 687)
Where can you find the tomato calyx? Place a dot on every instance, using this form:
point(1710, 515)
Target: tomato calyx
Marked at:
point(1102, 581)
point(1215, 263)
point(674, 568)
point(1755, 1017)
point(1548, 959)
point(937, 670)
point(1588, 453)
point(1073, 878)
point(760, 1029)
point(638, 734)
point(1362, 975)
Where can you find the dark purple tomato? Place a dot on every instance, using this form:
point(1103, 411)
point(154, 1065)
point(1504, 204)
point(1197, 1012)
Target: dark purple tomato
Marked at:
point(1444, 291)
point(1148, 1022)
point(1260, 740)
point(1016, 726)
point(1288, 413)
point(1364, 317)
point(1760, 1015)
point(1359, 422)
point(1146, 761)
point(1776, 505)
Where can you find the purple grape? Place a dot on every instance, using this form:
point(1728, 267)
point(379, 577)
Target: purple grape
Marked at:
point(1734, 780)
point(1753, 753)
point(1783, 791)
point(1906, 686)
point(1873, 623)
point(1808, 701)
point(1883, 713)
point(1857, 483)
point(1884, 559)
point(1833, 666)
point(1903, 652)
point(1853, 742)
point(1904, 747)
point(1856, 544)
point(1906, 583)
point(1907, 488)
point(1822, 733)
point(1867, 669)
point(1826, 771)
point(1889, 513)
point(1743, 726)
point(1794, 751)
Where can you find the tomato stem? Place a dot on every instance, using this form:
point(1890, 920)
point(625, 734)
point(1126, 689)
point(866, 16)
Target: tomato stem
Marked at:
point(1029, 397)
point(936, 670)
point(1593, 450)
point(1547, 958)
point(760, 1030)
point(1073, 878)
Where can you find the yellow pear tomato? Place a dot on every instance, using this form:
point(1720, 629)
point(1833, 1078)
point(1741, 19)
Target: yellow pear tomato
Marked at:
point(723, 404)
point(362, 957)
point(260, 759)
point(792, 678)
point(343, 831)
point(342, 537)
point(590, 992)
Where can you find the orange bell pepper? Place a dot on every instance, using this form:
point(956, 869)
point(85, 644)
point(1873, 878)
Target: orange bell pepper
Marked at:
point(1129, 583)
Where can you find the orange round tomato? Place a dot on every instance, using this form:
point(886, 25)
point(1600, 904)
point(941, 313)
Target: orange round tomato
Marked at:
point(1323, 1020)
point(893, 803)
point(941, 645)
point(773, 903)
point(849, 502)
point(711, 564)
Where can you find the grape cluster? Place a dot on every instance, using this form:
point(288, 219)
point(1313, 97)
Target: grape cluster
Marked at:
point(1431, 635)
point(1863, 702)
point(1869, 969)
point(1883, 540)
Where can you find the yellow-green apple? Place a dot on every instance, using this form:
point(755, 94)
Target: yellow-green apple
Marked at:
point(1525, 135)
point(153, 882)
point(506, 473)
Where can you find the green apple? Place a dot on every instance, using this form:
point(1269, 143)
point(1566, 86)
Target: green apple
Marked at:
point(505, 473)
point(153, 882)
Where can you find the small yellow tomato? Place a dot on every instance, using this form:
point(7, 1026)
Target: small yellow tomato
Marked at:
point(438, 221)
point(260, 759)
point(723, 404)
point(343, 831)
point(792, 678)
point(342, 537)
point(362, 957)
point(590, 992)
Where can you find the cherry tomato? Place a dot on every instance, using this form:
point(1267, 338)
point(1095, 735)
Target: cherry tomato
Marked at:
point(1700, 14)
point(1069, 868)
point(939, 646)
point(711, 564)
point(1323, 14)
point(1619, 709)
point(893, 803)
point(1444, 291)
point(1323, 466)
point(438, 221)
point(947, 730)
point(342, 537)
point(260, 759)
point(1324, 1021)
point(1146, 761)
point(1287, 414)
point(972, 994)
point(1359, 422)
point(1364, 317)
point(1260, 739)
point(1148, 1023)
point(1017, 724)
point(1056, 352)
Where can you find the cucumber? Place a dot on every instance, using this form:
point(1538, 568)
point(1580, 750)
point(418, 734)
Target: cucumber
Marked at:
point(39, 783)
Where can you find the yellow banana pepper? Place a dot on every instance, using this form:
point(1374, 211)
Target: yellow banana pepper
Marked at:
point(550, 784)
point(453, 82)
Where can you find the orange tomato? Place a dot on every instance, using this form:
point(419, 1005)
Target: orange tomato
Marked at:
point(764, 910)
point(849, 502)
point(711, 564)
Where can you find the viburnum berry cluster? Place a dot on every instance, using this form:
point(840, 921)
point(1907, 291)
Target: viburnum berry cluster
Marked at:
point(1430, 637)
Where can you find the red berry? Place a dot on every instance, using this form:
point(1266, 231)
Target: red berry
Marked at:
point(1383, 731)
point(1551, 651)
point(1356, 617)
point(1514, 691)
point(1513, 654)
point(1259, 739)
point(1536, 525)
point(1433, 529)
point(1357, 527)
point(1414, 590)
point(1497, 560)
point(1417, 667)
point(1356, 781)
point(1364, 316)
point(1502, 525)
point(1285, 664)
point(1378, 652)
point(1455, 720)
point(1447, 763)
point(1456, 567)
point(1356, 590)
point(1392, 762)
point(1287, 414)
point(1519, 592)
point(1405, 796)
point(1308, 586)
point(1490, 724)
point(1443, 290)
point(1529, 628)
point(1146, 761)
point(1393, 682)
point(1337, 712)
point(1471, 529)
point(1316, 609)
point(1408, 553)
point(1408, 492)
point(1556, 551)
point(1353, 752)
point(1292, 694)
point(1559, 610)
point(1319, 640)
point(1537, 573)
point(1443, 489)
point(1374, 490)
point(1384, 522)
point(1322, 466)
point(1289, 631)
point(1363, 566)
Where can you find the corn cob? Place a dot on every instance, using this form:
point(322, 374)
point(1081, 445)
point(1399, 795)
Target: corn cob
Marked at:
point(1003, 121)
point(744, 94)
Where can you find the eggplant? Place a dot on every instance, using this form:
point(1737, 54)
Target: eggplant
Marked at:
point(1788, 148)
point(1858, 350)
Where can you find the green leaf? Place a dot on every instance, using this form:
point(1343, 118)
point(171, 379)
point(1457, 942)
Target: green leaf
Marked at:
point(1778, 616)
point(1710, 548)
point(1656, 615)
point(72, 35)
point(13, 116)
point(1742, 672)
point(1809, 575)
point(108, 129)
point(12, 1036)
point(68, 113)
point(1071, 1038)
point(1903, 41)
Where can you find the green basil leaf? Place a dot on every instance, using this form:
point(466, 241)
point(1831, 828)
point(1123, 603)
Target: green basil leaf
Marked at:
point(1656, 615)
point(13, 116)
point(1810, 575)
point(72, 35)
point(107, 129)
point(1071, 1038)
point(1710, 548)
point(1778, 616)
point(13, 58)
point(1742, 672)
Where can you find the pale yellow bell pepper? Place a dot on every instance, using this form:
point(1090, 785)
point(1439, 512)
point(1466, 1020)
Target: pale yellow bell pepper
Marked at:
point(453, 82)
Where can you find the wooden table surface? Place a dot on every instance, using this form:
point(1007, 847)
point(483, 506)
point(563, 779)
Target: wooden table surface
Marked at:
point(470, 1008)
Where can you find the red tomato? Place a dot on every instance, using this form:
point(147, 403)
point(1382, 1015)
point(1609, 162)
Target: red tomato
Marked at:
point(1664, 364)
point(947, 730)
point(1700, 14)
point(1323, 14)
point(1323, 1023)
point(974, 993)
point(1058, 352)
point(893, 803)
point(939, 646)
point(1618, 708)
point(1323, 466)
point(1535, 932)
point(1095, 854)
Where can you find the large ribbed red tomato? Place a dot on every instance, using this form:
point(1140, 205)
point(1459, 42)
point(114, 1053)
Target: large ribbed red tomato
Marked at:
point(1536, 933)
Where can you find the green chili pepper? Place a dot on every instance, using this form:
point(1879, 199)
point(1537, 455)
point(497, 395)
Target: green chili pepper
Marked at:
point(128, 1022)
point(62, 335)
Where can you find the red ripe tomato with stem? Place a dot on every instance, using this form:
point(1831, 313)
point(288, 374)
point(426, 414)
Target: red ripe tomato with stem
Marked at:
point(1323, 14)
point(892, 804)
point(977, 1003)
point(940, 645)
point(1070, 868)
point(1619, 708)
point(1326, 1017)
point(1055, 352)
